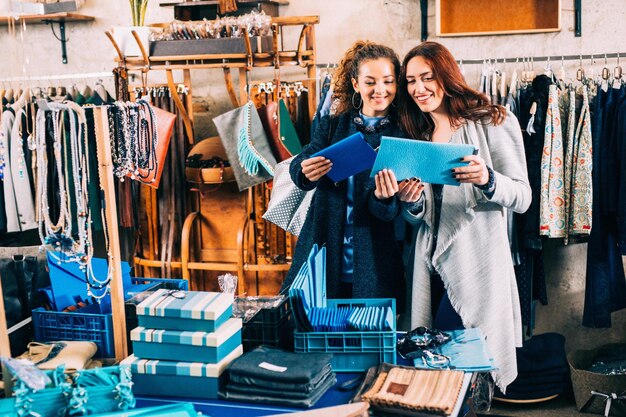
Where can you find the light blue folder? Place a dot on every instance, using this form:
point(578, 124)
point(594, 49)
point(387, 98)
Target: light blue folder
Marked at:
point(429, 161)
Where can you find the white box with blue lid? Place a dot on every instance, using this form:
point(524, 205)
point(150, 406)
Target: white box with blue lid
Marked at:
point(185, 310)
point(178, 379)
point(176, 345)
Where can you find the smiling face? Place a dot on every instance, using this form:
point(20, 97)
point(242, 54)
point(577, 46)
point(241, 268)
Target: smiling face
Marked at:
point(377, 85)
point(422, 86)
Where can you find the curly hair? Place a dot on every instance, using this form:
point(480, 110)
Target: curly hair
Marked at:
point(349, 66)
point(461, 101)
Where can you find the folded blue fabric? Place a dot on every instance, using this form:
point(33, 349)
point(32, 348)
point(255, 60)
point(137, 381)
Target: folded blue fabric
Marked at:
point(467, 350)
point(281, 399)
point(269, 367)
point(542, 352)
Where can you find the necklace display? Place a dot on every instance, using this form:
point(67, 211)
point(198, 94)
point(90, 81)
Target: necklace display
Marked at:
point(71, 159)
point(133, 136)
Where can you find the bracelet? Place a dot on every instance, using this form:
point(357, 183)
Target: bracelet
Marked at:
point(490, 183)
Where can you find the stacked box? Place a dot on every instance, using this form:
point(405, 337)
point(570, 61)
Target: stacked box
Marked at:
point(179, 326)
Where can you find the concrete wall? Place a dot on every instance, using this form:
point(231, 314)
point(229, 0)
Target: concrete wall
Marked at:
point(397, 24)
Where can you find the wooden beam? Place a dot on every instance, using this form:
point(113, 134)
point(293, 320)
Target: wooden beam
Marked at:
point(105, 167)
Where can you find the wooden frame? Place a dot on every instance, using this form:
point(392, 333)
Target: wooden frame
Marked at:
point(497, 17)
point(243, 259)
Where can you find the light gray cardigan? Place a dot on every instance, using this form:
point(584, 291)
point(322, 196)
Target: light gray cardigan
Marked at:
point(472, 253)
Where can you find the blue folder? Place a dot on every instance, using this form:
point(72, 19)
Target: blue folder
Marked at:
point(349, 157)
point(429, 161)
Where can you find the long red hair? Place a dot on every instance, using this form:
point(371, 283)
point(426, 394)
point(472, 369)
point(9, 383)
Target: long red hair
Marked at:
point(461, 101)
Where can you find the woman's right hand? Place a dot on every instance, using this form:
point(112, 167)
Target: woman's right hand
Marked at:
point(316, 167)
point(410, 190)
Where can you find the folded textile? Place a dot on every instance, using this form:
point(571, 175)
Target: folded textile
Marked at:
point(530, 389)
point(467, 350)
point(73, 355)
point(539, 379)
point(280, 399)
point(542, 352)
point(273, 368)
point(295, 391)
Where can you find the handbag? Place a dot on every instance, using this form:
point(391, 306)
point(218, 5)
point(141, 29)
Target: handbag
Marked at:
point(246, 145)
point(289, 205)
point(73, 355)
point(165, 126)
point(280, 130)
point(22, 278)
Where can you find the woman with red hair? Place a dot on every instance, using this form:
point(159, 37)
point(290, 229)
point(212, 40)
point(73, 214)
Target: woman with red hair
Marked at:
point(462, 270)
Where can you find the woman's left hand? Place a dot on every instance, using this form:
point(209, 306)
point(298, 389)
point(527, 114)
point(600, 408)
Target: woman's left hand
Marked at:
point(474, 173)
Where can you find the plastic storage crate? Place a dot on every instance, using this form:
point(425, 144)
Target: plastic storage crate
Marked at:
point(87, 325)
point(269, 327)
point(95, 327)
point(352, 351)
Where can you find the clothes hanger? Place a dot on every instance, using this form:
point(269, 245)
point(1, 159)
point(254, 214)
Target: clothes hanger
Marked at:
point(503, 85)
point(580, 72)
point(562, 70)
point(547, 70)
point(617, 72)
point(513, 83)
point(592, 70)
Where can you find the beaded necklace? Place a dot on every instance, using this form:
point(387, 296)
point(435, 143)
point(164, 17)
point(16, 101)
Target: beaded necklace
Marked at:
point(377, 128)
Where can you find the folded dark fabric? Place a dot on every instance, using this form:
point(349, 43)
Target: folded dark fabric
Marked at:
point(265, 365)
point(287, 391)
point(542, 352)
point(530, 389)
point(541, 378)
point(280, 399)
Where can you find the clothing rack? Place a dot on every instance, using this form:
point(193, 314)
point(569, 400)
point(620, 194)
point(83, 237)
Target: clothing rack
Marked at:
point(58, 77)
point(552, 58)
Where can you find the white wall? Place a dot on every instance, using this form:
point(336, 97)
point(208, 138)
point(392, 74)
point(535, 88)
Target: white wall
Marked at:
point(397, 24)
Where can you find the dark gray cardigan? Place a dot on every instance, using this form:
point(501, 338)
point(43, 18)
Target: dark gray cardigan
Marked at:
point(378, 268)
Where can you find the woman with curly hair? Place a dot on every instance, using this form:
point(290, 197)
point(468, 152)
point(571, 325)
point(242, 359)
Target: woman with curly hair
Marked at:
point(354, 218)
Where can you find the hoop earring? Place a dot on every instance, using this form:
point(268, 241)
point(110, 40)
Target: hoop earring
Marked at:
point(354, 105)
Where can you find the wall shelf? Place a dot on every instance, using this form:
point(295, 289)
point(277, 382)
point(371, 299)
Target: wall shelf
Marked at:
point(60, 18)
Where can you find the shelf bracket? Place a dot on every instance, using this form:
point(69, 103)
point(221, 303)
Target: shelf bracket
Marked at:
point(424, 11)
point(61, 38)
point(578, 21)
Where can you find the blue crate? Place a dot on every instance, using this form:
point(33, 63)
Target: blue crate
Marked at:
point(84, 325)
point(89, 324)
point(352, 351)
point(268, 327)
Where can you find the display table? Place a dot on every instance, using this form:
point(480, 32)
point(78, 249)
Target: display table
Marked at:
point(223, 408)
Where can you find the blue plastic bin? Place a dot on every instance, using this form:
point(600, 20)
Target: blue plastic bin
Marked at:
point(89, 324)
point(352, 351)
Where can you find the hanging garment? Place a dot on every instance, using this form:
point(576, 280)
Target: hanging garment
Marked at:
point(581, 190)
point(621, 205)
point(13, 222)
point(530, 274)
point(552, 205)
point(20, 176)
point(567, 106)
point(605, 290)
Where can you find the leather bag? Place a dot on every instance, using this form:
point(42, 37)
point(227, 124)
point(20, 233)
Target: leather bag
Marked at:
point(280, 130)
point(247, 146)
point(165, 126)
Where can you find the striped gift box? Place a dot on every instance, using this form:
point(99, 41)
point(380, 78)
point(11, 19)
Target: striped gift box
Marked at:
point(185, 310)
